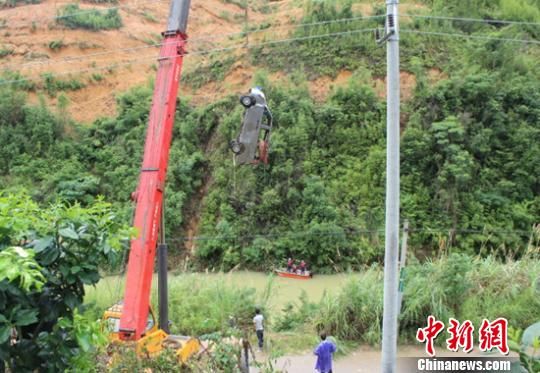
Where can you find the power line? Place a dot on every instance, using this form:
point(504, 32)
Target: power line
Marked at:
point(346, 231)
point(478, 20)
point(203, 52)
point(287, 40)
point(68, 59)
point(467, 36)
point(265, 30)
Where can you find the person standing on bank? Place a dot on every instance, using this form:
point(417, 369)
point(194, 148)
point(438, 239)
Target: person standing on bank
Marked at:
point(259, 328)
point(324, 352)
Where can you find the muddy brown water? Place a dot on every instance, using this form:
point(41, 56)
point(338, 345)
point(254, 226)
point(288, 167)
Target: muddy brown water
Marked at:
point(285, 289)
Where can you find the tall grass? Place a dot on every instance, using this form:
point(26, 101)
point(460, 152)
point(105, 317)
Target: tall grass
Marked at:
point(457, 286)
point(197, 304)
point(355, 312)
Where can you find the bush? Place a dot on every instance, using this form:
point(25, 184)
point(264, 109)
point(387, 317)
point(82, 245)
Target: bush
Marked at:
point(295, 315)
point(199, 308)
point(355, 313)
point(42, 281)
point(53, 84)
point(5, 52)
point(214, 71)
point(73, 17)
point(56, 45)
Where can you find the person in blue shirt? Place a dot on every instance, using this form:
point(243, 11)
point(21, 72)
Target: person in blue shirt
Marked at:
point(324, 352)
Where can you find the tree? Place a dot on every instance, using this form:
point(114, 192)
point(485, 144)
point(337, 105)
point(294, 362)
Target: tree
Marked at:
point(42, 279)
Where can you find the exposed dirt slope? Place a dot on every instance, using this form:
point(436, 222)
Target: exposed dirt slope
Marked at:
point(99, 59)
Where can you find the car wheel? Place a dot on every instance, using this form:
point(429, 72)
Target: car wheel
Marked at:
point(236, 147)
point(247, 101)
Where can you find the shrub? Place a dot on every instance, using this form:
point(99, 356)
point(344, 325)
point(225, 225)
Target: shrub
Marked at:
point(56, 45)
point(73, 17)
point(214, 71)
point(294, 315)
point(5, 52)
point(355, 313)
point(53, 84)
point(42, 282)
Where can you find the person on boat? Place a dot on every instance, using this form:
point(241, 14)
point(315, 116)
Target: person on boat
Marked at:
point(294, 268)
point(324, 352)
point(302, 267)
point(290, 263)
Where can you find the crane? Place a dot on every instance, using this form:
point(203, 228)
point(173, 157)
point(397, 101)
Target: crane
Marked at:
point(129, 320)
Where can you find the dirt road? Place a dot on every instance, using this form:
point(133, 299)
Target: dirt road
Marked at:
point(363, 360)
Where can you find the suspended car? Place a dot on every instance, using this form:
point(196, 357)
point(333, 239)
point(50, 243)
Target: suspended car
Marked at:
point(251, 146)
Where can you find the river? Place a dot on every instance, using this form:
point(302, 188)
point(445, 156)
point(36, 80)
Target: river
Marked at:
point(110, 289)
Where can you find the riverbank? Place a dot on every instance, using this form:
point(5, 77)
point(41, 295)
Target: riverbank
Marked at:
point(346, 306)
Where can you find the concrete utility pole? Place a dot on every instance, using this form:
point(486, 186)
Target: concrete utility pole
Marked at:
point(389, 341)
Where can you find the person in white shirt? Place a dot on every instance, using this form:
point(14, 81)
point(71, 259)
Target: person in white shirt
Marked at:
point(259, 328)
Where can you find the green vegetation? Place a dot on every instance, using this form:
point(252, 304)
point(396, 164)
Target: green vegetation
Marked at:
point(102, 1)
point(150, 17)
point(56, 45)
point(455, 286)
point(5, 52)
point(16, 81)
point(470, 186)
point(196, 307)
point(242, 4)
point(93, 19)
point(527, 349)
point(96, 77)
point(47, 256)
point(213, 71)
point(52, 84)
point(469, 157)
point(327, 55)
point(350, 44)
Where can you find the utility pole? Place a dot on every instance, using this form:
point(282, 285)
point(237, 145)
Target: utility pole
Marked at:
point(390, 310)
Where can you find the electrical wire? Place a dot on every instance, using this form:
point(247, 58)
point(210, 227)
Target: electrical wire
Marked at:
point(269, 29)
point(203, 52)
point(346, 232)
point(69, 59)
point(478, 20)
point(467, 36)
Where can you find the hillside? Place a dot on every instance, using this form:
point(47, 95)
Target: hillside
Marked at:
point(108, 62)
point(470, 123)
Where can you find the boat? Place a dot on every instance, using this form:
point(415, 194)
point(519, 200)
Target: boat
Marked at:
point(283, 273)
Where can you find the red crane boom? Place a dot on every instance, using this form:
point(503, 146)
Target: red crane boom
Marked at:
point(149, 193)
